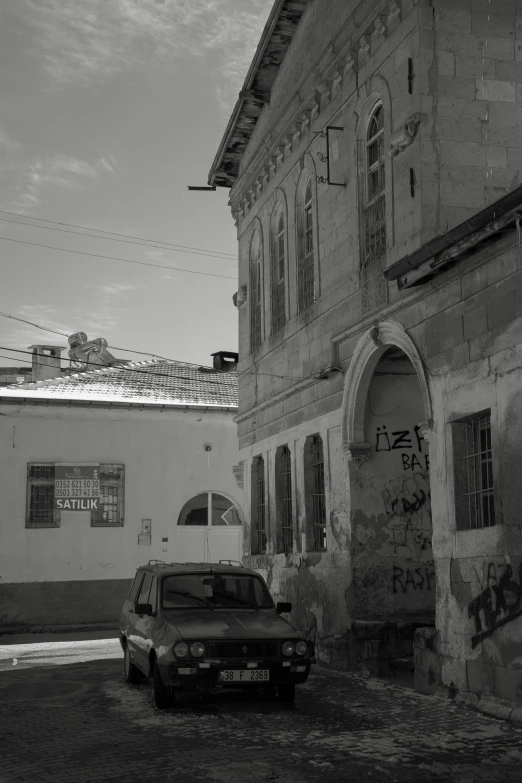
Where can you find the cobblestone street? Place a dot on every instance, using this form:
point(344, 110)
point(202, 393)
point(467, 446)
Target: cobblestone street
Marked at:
point(78, 721)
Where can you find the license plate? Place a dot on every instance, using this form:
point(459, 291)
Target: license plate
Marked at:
point(244, 675)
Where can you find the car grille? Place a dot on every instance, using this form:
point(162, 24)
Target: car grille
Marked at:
point(242, 650)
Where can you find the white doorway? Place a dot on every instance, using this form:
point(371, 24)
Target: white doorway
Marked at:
point(209, 529)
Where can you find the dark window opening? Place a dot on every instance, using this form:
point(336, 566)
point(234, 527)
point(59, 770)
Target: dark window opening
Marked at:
point(284, 518)
point(315, 507)
point(258, 538)
point(473, 459)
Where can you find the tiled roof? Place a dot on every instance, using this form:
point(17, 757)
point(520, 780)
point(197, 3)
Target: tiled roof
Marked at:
point(157, 382)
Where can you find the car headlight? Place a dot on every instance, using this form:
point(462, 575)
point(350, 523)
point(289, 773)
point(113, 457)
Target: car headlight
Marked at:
point(197, 650)
point(181, 650)
point(287, 649)
point(301, 648)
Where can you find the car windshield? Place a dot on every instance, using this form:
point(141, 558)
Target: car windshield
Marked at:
point(223, 591)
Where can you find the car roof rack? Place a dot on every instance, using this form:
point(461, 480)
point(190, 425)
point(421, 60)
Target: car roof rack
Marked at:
point(231, 562)
point(156, 562)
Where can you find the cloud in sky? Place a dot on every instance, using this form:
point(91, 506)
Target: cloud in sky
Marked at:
point(81, 40)
point(55, 172)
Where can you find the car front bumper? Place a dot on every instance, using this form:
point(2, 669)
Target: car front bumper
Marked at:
point(205, 675)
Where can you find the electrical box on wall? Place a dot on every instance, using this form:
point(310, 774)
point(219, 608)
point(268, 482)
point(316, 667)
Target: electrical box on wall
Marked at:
point(144, 537)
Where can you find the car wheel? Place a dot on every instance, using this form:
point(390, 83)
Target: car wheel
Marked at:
point(163, 694)
point(286, 693)
point(131, 672)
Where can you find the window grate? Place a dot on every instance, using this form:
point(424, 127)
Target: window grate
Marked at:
point(278, 277)
point(374, 212)
point(258, 542)
point(318, 500)
point(473, 460)
point(285, 500)
point(478, 461)
point(375, 230)
point(255, 296)
point(40, 497)
point(110, 513)
point(306, 282)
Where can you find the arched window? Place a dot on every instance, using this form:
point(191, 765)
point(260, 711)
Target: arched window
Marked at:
point(314, 494)
point(278, 269)
point(375, 205)
point(255, 292)
point(305, 268)
point(209, 508)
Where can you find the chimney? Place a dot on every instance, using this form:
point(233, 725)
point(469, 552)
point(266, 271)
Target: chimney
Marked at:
point(225, 361)
point(47, 362)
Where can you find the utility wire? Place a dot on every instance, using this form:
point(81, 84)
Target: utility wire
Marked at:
point(113, 233)
point(149, 372)
point(116, 258)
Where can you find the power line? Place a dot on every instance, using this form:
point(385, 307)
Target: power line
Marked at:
point(128, 238)
point(145, 353)
point(116, 258)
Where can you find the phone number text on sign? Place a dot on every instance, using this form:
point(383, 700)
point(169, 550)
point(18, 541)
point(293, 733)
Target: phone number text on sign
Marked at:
point(76, 481)
point(69, 488)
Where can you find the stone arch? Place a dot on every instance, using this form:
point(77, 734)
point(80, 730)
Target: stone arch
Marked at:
point(367, 354)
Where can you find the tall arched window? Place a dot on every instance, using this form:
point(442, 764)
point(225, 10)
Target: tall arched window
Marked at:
point(278, 264)
point(255, 292)
point(375, 204)
point(305, 268)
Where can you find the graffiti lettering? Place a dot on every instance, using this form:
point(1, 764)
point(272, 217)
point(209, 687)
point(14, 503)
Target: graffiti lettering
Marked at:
point(402, 439)
point(404, 578)
point(498, 604)
point(410, 462)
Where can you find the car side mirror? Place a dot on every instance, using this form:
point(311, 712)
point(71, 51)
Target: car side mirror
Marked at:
point(283, 606)
point(143, 608)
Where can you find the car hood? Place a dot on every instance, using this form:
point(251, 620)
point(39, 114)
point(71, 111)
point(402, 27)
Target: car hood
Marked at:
point(230, 625)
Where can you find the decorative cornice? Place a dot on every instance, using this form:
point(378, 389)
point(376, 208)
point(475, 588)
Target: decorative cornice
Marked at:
point(345, 63)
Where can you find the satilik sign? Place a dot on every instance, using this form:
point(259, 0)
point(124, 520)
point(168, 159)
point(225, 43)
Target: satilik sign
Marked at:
point(77, 487)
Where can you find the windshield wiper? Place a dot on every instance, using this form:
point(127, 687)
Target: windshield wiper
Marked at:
point(194, 598)
point(239, 600)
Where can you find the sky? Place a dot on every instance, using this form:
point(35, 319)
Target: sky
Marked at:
point(108, 110)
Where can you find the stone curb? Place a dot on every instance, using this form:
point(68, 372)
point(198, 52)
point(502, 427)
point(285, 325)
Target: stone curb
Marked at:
point(43, 629)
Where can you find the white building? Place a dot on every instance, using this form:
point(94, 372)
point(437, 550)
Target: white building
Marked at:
point(162, 436)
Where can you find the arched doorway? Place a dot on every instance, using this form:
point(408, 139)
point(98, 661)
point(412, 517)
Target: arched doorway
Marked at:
point(386, 416)
point(209, 529)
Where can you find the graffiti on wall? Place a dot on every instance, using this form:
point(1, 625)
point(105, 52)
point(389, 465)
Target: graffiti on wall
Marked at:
point(408, 510)
point(405, 579)
point(498, 604)
point(405, 441)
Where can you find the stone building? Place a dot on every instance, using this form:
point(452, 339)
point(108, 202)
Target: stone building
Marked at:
point(374, 159)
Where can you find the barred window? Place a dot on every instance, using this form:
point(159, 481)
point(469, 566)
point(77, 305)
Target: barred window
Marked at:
point(374, 202)
point(284, 518)
point(305, 269)
point(314, 494)
point(258, 539)
point(278, 263)
point(473, 460)
point(40, 511)
point(112, 490)
point(255, 292)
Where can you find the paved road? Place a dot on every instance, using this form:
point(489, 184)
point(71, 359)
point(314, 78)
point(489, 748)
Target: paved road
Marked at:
point(66, 716)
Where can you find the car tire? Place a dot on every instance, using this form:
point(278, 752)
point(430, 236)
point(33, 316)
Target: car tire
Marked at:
point(163, 694)
point(131, 672)
point(286, 693)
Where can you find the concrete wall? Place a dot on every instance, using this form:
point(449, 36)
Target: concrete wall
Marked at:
point(71, 574)
point(393, 571)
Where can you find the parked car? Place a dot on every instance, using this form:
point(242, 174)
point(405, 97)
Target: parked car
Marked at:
point(207, 628)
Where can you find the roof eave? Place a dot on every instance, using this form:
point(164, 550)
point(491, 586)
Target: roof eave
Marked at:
point(245, 93)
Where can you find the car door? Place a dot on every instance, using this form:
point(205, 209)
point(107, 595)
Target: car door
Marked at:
point(142, 624)
point(128, 617)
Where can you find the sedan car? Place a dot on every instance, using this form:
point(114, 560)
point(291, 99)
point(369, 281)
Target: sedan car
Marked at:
point(207, 628)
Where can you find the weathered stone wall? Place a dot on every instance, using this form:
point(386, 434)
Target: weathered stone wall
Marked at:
point(472, 82)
